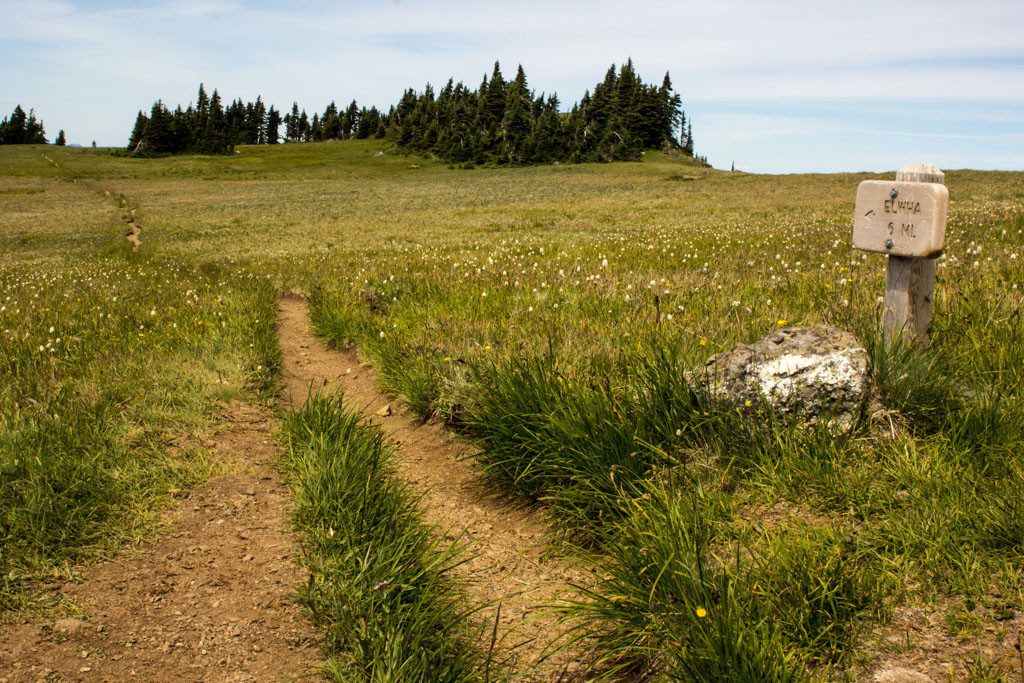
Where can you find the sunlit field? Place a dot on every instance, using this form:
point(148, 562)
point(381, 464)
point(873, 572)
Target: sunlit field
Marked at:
point(550, 314)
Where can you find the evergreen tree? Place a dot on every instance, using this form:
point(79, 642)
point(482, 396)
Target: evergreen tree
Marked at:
point(273, 128)
point(200, 114)
point(331, 122)
point(602, 103)
point(350, 122)
point(214, 138)
point(258, 123)
point(202, 102)
point(549, 137)
point(369, 121)
point(492, 100)
point(517, 123)
point(316, 131)
point(672, 116)
point(292, 133)
point(618, 143)
point(627, 99)
point(12, 132)
point(158, 137)
point(34, 133)
point(61, 141)
point(22, 128)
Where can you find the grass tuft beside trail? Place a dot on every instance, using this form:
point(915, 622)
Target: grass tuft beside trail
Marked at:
point(381, 584)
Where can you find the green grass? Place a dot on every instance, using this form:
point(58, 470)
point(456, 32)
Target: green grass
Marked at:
point(381, 582)
point(552, 313)
point(666, 607)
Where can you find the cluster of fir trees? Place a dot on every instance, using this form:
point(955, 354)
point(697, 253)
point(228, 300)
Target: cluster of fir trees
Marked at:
point(354, 122)
point(206, 127)
point(22, 129)
point(506, 122)
point(209, 127)
point(500, 122)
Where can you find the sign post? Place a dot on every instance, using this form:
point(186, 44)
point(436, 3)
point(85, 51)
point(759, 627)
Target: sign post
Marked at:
point(905, 220)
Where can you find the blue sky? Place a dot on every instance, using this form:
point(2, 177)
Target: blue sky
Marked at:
point(774, 86)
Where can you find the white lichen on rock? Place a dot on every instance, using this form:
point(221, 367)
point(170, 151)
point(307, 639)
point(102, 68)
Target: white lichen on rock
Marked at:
point(806, 372)
point(782, 377)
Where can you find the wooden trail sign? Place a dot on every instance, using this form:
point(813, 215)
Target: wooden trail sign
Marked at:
point(906, 220)
point(901, 218)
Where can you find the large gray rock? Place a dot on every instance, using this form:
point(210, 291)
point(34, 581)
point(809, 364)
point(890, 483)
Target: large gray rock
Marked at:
point(812, 373)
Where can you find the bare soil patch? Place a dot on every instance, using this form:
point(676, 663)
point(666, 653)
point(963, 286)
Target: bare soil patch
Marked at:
point(919, 640)
point(134, 234)
point(511, 565)
point(211, 599)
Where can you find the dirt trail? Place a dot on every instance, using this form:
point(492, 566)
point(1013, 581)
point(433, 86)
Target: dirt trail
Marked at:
point(134, 234)
point(211, 599)
point(510, 566)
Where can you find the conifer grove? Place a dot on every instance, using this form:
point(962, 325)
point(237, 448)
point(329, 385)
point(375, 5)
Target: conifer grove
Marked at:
point(502, 122)
point(22, 129)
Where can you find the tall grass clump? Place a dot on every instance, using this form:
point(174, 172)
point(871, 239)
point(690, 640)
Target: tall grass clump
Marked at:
point(685, 596)
point(817, 585)
point(584, 440)
point(920, 386)
point(339, 321)
point(403, 369)
point(644, 466)
point(934, 392)
point(381, 584)
point(667, 607)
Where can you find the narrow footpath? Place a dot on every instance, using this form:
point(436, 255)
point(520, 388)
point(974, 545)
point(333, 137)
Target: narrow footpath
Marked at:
point(210, 599)
point(510, 565)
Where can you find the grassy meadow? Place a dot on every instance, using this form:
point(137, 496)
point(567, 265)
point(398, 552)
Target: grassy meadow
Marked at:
point(550, 314)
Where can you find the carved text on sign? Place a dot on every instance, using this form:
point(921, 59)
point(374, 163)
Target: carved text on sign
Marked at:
point(901, 218)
